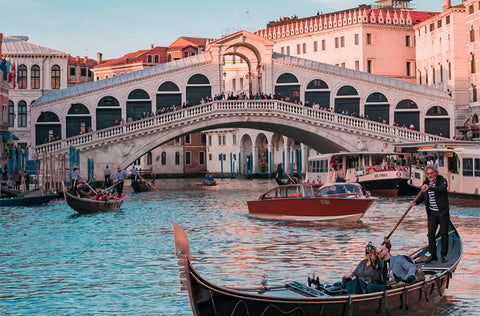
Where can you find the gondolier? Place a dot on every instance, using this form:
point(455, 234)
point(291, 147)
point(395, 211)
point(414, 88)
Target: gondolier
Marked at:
point(435, 196)
point(120, 177)
point(133, 174)
point(108, 176)
point(75, 176)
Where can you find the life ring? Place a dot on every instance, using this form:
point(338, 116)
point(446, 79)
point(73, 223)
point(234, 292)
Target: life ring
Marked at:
point(398, 174)
point(370, 170)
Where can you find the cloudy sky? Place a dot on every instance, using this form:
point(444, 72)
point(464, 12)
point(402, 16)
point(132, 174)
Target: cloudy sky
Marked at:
point(116, 27)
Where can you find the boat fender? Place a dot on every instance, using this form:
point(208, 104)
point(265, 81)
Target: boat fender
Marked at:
point(371, 170)
point(398, 174)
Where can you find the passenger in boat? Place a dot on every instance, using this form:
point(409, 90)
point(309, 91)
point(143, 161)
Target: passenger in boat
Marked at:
point(367, 276)
point(435, 196)
point(397, 268)
point(341, 176)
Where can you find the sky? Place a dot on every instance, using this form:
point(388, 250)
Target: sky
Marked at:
point(117, 27)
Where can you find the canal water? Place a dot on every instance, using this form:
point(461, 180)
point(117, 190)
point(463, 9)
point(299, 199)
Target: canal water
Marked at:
point(53, 262)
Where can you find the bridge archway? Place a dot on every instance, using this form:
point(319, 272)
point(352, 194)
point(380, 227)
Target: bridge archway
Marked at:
point(347, 100)
point(198, 87)
point(262, 159)
point(437, 121)
point(168, 94)
point(318, 92)
point(138, 104)
point(377, 108)
point(406, 113)
point(246, 148)
point(108, 112)
point(287, 87)
point(78, 120)
point(47, 128)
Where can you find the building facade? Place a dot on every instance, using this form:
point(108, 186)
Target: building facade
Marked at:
point(471, 124)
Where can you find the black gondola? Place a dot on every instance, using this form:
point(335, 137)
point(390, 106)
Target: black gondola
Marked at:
point(89, 205)
point(141, 186)
point(295, 298)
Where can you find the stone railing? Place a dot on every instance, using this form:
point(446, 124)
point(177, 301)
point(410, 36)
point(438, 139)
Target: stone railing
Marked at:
point(241, 108)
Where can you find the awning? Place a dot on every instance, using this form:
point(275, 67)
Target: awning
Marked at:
point(7, 135)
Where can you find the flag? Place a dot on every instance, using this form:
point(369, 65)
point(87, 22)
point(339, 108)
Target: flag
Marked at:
point(11, 74)
point(3, 67)
point(9, 64)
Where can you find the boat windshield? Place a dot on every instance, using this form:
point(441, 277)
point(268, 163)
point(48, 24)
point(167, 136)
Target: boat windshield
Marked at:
point(343, 189)
point(283, 192)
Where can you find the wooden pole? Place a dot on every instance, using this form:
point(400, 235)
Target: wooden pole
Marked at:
point(148, 183)
point(403, 216)
point(96, 193)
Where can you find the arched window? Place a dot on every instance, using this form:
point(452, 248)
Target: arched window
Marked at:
point(139, 105)
point(55, 77)
point(11, 114)
point(177, 158)
point(347, 101)
point(198, 87)
point(377, 108)
point(22, 114)
point(35, 77)
point(437, 121)
point(168, 94)
point(287, 87)
point(22, 77)
point(149, 154)
point(317, 92)
point(164, 158)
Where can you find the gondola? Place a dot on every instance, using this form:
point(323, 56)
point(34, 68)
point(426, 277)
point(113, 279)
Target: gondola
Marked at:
point(141, 186)
point(296, 298)
point(29, 199)
point(89, 205)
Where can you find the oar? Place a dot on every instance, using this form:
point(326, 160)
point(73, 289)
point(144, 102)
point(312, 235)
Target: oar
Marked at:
point(401, 218)
point(96, 193)
point(148, 183)
point(291, 178)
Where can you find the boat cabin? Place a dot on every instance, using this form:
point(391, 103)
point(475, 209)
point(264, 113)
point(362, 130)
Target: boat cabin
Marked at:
point(314, 190)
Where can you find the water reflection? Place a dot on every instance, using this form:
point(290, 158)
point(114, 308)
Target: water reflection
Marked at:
point(55, 262)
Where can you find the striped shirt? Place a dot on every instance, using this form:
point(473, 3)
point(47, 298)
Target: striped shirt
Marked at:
point(431, 200)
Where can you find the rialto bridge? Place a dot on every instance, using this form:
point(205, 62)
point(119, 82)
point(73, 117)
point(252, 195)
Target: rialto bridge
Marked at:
point(70, 113)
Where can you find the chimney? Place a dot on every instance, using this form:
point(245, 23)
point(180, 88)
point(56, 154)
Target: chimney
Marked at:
point(447, 4)
point(151, 46)
point(77, 59)
point(85, 59)
point(99, 58)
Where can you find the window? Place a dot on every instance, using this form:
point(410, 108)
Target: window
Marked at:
point(22, 114)
point(304, 48)
point(234, 84)
point(282, 50)
point(164, 158)
point(55, 77)
point(22, 77)
point(342, 41)
point(203, 138)
point(357, 39)
point(149, 158)
point(441, 73)
point(439, 23)
point(447, 19)
point(72, 71)
point(201, 158)
point(369, 66)
point(11, 114)
point(324, 44)
point(177, 158)
point(187, 139)
point(35, 77)
point(357, 65)
point(288, 50)
point(83, 72)
point(472, 64)
point(210, 157)
point(470, 9)
point(188, 158)
point(432, 27)
point(337, 42)
point(298, 49)
point(369, 38)
point(477, 167)
point(219, 139)
point(234, 141)
point(149, 58)
point(407, 41)
point(157, 58)
point(209, 140)
point(467, 167)
point(472, 34)
point(224, 138)
point(408, 69)
point(315, 46)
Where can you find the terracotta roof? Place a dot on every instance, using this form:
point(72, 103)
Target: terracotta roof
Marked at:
point(81, 61)
point(134, 57)
point(184, 41)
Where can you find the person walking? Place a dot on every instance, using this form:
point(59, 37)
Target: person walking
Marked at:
point(120, 177)
point(435, 196)
point(75, 176)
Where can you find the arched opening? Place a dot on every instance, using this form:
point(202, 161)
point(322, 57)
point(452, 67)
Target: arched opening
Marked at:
point(377, 108)
point(168, 94)
point(347, 101)
point(78, 120)
point(437, 122)
point(407, 114)
point(198, 87)
point(108, 112)
point(47, 128)
point(287, 88)
point(262, 153)
point(139, 105)
point(317, 92)
point(246, 152)
point(237, 74)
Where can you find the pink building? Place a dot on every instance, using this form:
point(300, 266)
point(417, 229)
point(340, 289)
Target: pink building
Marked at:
point(377, 40)
point(472, 124)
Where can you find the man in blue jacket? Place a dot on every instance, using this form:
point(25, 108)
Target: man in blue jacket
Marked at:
point(435, 196)
point(396, 268)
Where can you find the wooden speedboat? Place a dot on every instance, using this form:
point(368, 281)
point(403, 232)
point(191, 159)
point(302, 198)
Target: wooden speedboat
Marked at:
point(297, 298)
point(312, 202)
point(91, 205)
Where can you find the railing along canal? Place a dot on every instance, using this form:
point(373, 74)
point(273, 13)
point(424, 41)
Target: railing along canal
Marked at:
point(242, 107)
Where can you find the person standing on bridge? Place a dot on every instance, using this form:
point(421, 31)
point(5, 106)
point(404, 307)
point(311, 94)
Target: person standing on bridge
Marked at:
point(120, 177)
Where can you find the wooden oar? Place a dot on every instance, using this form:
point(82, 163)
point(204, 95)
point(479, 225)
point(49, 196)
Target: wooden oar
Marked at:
point(96, 193)
point(295, 182)
point(148, 183)
point(401, 218)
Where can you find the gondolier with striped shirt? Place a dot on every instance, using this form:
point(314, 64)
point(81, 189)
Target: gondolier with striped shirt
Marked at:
point(435, 196)
point(120, 177)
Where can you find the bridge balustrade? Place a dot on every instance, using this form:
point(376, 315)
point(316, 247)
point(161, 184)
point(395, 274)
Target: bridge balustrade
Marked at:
point(334, 119)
